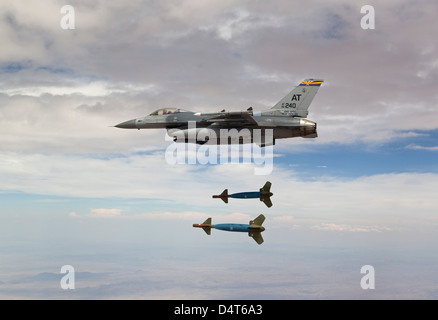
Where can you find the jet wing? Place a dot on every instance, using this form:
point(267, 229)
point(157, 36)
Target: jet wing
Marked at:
point(227, 118)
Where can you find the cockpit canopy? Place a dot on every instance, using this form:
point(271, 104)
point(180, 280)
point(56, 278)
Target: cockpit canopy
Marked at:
point(166, 111)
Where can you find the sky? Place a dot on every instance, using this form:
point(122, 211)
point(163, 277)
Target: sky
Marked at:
point(74, 190)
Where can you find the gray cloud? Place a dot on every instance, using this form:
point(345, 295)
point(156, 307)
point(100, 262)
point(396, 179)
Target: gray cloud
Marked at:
point(61, 89)
point(65, 87)
point(228, 54)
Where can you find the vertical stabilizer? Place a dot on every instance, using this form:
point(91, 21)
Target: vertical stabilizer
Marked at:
point(300, 98)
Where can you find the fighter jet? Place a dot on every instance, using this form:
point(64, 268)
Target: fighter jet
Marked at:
point(254, 228)
point(286, 119)
point(264, 195)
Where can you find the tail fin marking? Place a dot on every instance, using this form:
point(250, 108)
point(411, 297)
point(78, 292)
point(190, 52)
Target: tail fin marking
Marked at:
point(300, 98)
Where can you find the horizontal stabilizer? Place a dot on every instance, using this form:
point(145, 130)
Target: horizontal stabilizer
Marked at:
point(267, 201)
point(257, 236)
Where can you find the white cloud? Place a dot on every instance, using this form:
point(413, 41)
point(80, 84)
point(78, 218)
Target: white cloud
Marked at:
point(417, 147)
point(167, 54)
point(97, 88)
point(73, 215)
point(349, 228)
point(62, 89)
point(196, 217)
point(105, 213)
point(384, 200)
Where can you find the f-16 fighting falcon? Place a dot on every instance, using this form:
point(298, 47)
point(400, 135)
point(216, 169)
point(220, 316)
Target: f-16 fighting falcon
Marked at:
point(254, 228)
point(286, 119)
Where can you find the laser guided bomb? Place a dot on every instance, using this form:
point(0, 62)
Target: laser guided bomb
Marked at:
point(254, 228)
point(264, 194)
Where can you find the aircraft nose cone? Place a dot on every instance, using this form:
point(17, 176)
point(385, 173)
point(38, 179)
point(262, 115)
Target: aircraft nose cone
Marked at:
point(262, 229)
point(130, 124)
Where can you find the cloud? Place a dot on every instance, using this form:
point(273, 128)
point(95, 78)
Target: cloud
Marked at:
point(349, 228)
point(177, 215)
point(417, 147)
point(73, 214)
point(105, 213)
point(185, 191)
point(284, 219)
point(185, 55)
point(61, 89)
point(193, 216)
